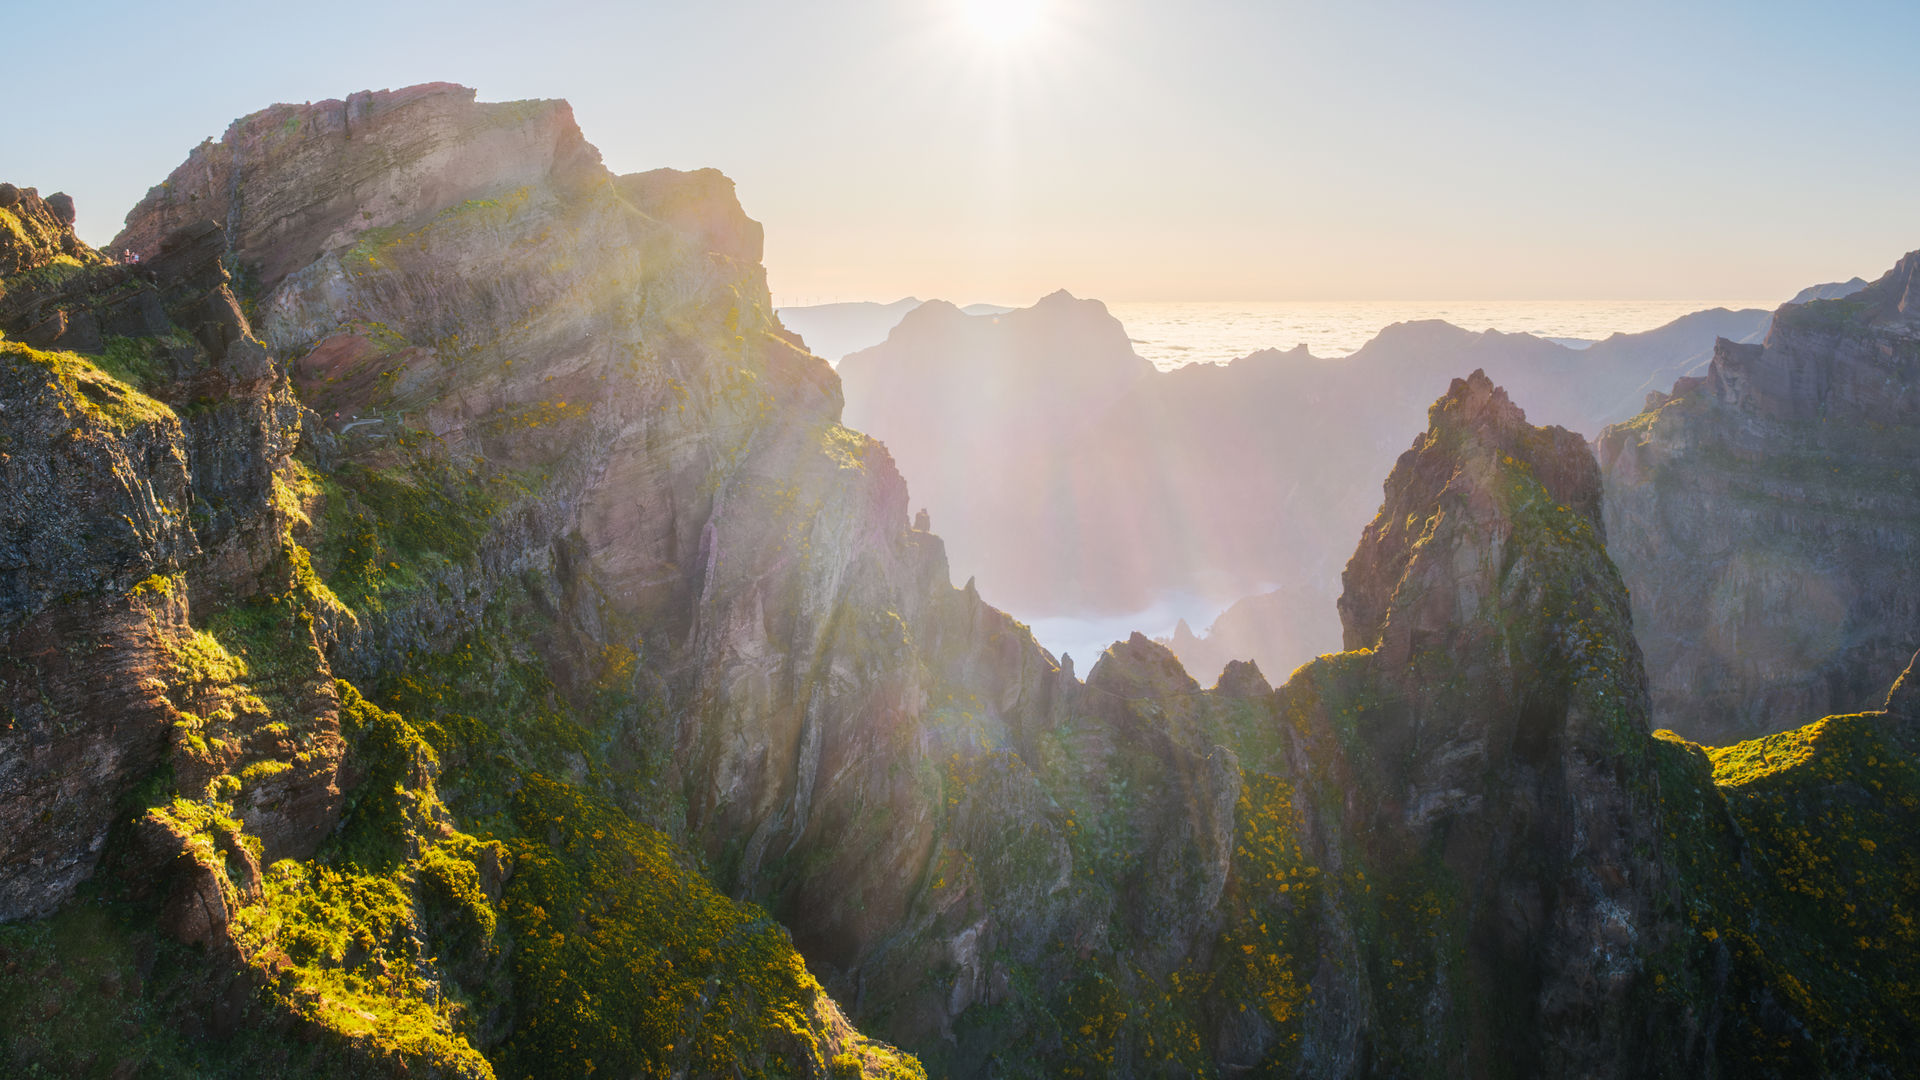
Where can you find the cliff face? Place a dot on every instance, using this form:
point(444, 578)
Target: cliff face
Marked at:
point(514, 668)
point(286, 194)
point(1768, 518)
point(120, 498)
point(399, 253)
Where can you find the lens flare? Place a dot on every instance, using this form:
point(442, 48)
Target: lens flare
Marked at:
point(1003, 22)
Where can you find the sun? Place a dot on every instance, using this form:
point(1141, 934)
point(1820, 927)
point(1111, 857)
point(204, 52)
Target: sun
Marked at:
point(1004, 23)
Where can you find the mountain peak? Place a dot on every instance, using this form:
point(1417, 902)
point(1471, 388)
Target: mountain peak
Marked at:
point(1140, 667)
point(402, 154)
point(1464, 483)
point(1476, 403)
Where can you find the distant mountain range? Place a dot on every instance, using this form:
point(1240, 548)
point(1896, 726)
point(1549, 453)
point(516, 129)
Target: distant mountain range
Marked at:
point(834, 330)
point(1069, 476)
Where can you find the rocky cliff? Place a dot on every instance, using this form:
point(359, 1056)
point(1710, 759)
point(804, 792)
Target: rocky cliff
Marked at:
point(269, 871)
point(461, 640)
point(1767, 515)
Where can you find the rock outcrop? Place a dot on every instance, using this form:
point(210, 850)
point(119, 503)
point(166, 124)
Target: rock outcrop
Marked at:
point(131, 480)
point(1486, 749)
point(1767, 516)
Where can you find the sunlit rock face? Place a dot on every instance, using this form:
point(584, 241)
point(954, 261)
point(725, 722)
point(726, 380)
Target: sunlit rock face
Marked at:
point(290, 184)
point(550, 399)
point(120, 498)
point(1767, 516)
point(681, 533)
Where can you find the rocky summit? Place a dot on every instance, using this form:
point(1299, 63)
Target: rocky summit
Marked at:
point(1767, 515)
point(449, 632)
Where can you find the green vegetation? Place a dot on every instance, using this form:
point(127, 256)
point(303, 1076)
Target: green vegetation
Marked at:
point(134, 361)
point(845, 447)
point(344, 938)
point(521, 923)
point(386, 530)
point(86, 391)
point(1269, 947)
point(1801, 877)
point(95, 992)
point(51, 274)
point(629, 962)
point(16, 231)
point(1841, 315)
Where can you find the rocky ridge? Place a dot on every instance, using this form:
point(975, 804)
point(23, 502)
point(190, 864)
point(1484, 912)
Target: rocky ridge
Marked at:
point(616, 628)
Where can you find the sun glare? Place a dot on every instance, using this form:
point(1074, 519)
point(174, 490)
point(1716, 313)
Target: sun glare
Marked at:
point(1005, 23)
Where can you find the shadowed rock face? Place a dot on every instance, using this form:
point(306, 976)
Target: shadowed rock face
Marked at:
point(1767, 517)
point(1491, 747)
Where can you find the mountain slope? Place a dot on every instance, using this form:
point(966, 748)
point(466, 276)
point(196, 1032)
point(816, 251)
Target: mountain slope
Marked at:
point(356, 889)
point(1768, 515)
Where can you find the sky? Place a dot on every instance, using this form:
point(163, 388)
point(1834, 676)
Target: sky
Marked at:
point(1130, 150)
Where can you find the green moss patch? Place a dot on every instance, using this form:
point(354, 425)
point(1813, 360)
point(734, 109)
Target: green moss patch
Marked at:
point(87, 392)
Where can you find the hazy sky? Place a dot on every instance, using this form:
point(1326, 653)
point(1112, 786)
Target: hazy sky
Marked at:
point(1124, 149)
